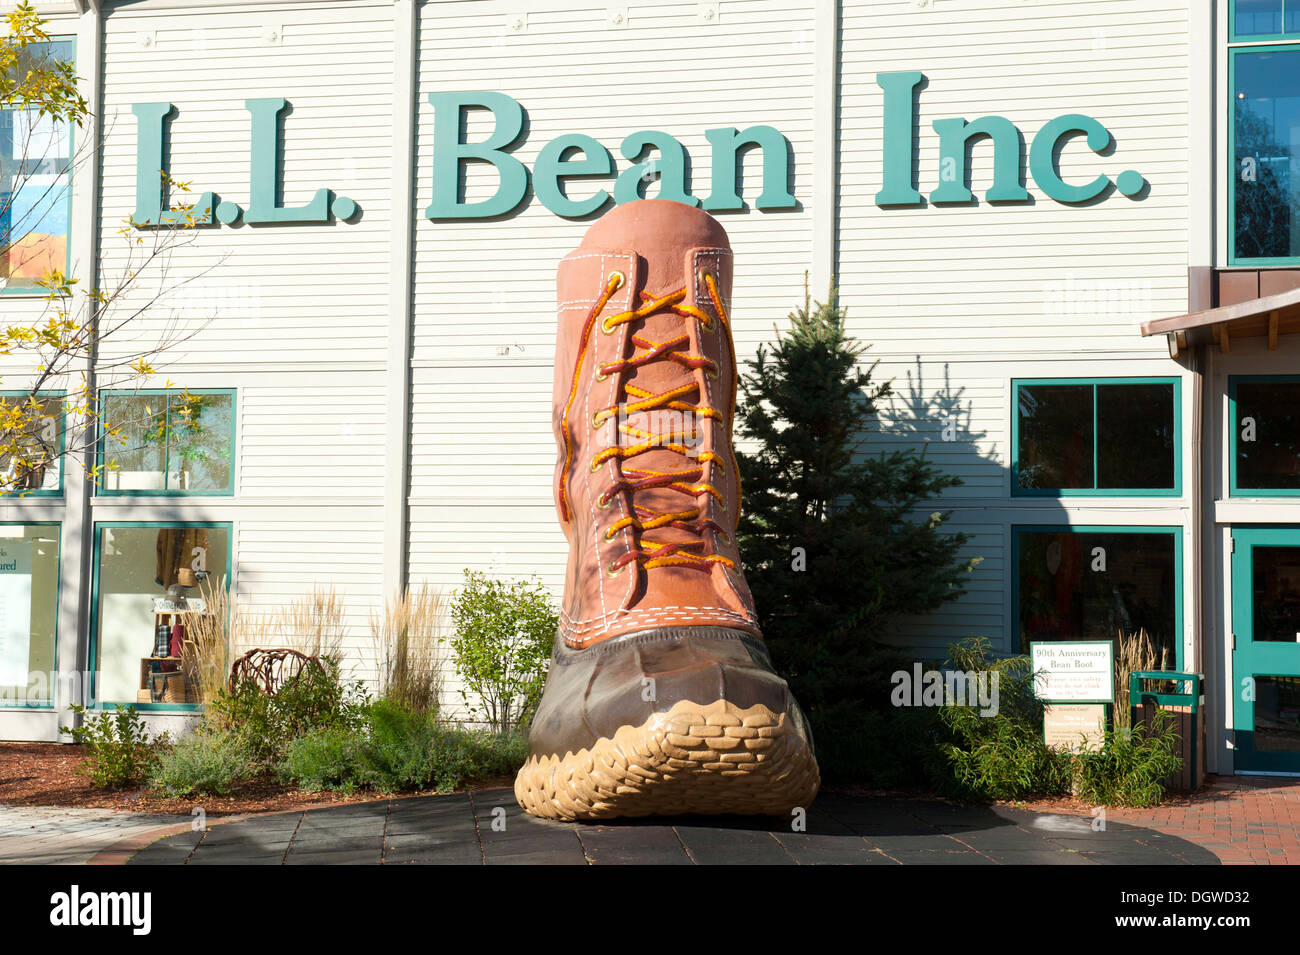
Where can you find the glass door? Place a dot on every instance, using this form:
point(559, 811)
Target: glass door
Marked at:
point(1266, 648)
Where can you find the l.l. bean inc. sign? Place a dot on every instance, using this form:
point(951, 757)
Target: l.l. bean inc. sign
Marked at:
point(569, 159)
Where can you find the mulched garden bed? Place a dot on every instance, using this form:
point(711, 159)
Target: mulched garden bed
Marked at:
point(46, 774)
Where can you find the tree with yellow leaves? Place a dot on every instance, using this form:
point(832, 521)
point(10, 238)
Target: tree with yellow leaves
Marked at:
point(49, 409)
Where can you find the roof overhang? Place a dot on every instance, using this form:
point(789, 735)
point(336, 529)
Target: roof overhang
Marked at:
point(1269, 317)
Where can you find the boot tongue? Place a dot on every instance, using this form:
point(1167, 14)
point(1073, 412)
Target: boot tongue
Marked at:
point(661, 232)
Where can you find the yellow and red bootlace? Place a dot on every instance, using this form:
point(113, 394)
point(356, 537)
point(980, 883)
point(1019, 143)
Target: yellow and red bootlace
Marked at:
point(688, 480)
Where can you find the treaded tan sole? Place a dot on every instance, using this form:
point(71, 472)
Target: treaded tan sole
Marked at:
point(713, 758)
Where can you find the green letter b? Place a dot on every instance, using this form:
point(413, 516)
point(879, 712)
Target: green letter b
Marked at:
point(450, 155)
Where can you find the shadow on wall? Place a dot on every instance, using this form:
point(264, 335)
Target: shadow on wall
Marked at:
point(936, 419)
point(1046, 574)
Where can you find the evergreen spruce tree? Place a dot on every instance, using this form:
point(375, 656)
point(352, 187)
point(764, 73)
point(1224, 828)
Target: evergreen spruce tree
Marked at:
point(833, 543)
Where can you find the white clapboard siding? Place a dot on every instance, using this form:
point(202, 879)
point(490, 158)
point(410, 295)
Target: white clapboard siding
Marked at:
point(483, 453)
point(286, 554)
point(280, 295)
point(984, 276)
point(312, 437)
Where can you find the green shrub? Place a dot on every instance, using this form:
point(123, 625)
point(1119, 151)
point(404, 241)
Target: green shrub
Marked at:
point(316, 698)
point(476, 754)
point(399, 749)
point(207, 763)
point(328, 759)
point(503, 634)
point(118, 745)
point(1132, 768)
point(1002, 760)
point(1000, 756)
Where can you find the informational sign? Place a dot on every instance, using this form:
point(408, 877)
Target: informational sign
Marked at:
point(1074, 727)
point(188, 605)
point(15, 611)
point(1079, 672)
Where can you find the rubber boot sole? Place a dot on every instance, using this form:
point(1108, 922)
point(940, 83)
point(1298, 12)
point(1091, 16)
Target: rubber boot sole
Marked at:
point(713, 759)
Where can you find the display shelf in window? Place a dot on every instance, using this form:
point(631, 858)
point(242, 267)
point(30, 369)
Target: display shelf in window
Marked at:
point(162, 675)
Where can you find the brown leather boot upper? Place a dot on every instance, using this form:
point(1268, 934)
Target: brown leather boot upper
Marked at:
point(645, 390)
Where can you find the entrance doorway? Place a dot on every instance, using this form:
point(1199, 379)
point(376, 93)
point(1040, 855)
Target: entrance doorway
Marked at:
point(1266, 649)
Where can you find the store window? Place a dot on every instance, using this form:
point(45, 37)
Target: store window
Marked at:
point(31, 444)
point(149, 577)
point(29, 610)
point(1103, 437)
point(1264, 84)
point(35, 192)
point(1265, 416)
point(1277, 714)
point(1099, 583)
point(167, 442)
point(1265, 19)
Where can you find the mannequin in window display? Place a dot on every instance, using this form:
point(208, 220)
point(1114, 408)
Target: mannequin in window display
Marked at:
point(661, 698)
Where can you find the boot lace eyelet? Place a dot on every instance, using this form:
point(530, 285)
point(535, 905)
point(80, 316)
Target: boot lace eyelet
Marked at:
point(710, 322)
point(596, 465)
point(612, 571)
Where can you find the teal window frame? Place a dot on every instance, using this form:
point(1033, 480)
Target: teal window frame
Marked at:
point(1013, 637)
point(1233, 53)
point(1233, 36)
point(72, 152)
point(1235, 432)
point(92, 662)
point(63, 447)
point(1094, 491)
point(58, 601)
point(228, 491)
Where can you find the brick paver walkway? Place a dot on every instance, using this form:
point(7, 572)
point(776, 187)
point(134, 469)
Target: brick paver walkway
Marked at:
point(67, 836)
point(1250, 820)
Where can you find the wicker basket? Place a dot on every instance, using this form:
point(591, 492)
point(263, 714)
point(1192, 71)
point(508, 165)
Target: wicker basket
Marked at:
point(170, 687)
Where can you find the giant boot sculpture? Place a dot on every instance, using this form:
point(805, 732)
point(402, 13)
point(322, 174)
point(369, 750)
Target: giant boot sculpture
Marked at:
point(661, 697)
